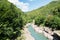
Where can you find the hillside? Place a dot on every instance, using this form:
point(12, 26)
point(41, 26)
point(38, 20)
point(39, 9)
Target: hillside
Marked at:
point(48, 15)
point(47, 8)
point(11, 21)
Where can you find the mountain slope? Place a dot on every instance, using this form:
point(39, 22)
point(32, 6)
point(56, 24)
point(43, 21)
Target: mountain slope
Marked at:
point(48, 15)
point(11, 21)
point(46, 9)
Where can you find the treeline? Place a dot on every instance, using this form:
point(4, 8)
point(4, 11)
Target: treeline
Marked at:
point(48, 15)
point(11, 21)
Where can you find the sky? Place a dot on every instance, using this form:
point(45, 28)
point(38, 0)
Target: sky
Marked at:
point(29, 5)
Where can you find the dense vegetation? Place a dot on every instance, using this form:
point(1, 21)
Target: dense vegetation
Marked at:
point(11, 21)
point(48, 15)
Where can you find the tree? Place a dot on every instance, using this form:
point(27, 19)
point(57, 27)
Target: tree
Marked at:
point(11, 21)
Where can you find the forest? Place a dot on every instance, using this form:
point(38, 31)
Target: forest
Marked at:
point(48, 15)
point(13, 19)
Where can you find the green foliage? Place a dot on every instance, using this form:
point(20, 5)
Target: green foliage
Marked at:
point(11, 21)
point(56, 11)
point(49, 15)
point(53, 22)
point(39, 20)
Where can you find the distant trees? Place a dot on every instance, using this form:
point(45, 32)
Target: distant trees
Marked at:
point(39, 20)
point(48, 15)
point(56, 11)
point(52, 22)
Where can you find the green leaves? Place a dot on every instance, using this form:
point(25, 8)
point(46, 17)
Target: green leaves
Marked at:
point(48, 15)
point(39, 20)
point(11, 21)
point(53, 22)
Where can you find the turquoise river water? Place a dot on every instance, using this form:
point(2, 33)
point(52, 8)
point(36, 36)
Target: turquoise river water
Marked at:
point(36, 35)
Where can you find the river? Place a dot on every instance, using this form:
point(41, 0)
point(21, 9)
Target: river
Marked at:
point(36, 35)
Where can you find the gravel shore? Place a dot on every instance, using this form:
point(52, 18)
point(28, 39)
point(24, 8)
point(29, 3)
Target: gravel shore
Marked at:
point(37, 29)
point(27, 34)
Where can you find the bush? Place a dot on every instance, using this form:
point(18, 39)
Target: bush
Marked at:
point(10, 21)
point(53, 22)
point(39, 20)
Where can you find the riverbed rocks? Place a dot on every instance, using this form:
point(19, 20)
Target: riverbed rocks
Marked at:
point(27, 34)
point(46, 31)
point(56, 35)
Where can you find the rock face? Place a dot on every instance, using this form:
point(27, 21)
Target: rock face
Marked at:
point(56, 37)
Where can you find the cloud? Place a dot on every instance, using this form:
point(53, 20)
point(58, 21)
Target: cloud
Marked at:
point(23, 6)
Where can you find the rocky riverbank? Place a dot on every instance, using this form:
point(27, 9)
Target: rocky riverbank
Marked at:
point(27, 34)
point(46, 31)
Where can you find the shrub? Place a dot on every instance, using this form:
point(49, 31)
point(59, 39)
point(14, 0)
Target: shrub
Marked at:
point(53, 22)
point(39, 20)
point(10, 21)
